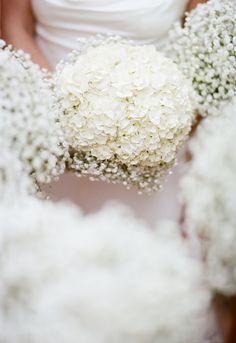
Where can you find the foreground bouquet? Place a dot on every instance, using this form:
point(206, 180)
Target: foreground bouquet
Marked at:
point(126, 111)
point(103, 278)
point(29, 129)
point(205, 49)
point(209, 192)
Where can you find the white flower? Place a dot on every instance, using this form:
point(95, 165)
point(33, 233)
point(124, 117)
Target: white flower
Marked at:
point(205, 50)
point(124, 103)
point(209, 192)
point(104, 278)
point(12, 175)
point(29, 128)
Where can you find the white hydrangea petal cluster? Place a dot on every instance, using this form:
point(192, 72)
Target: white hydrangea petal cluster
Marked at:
point(124, 103)
point(205, 50)
point(209, 192)
point(29, 118)
point(103, 278)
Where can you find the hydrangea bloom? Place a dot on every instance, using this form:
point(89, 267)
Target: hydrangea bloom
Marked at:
point(127, 110)
point(209, 191)
point(205, 49)
point(103, 278)
point(29, 127)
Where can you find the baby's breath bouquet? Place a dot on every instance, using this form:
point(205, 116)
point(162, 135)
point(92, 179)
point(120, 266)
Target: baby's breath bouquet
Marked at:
point(30, 134)
point(126, 111)
point(205, 50)
point(209, 192)
point(13, 177)
point(104, 278)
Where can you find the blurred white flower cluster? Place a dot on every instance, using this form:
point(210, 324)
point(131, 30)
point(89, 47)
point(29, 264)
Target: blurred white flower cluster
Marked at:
point(209, 192)
point(205, 50)
point(103, 278)
point(12, 175)
point(126, 111)
point(30, 134)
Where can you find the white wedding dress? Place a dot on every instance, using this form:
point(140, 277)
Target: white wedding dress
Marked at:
point(60, 23)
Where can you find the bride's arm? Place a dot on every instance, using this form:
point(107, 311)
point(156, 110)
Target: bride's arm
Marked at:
point(193, 3)
point(18, 28)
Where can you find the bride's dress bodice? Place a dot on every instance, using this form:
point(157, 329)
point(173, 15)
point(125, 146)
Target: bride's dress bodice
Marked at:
point(61, 22)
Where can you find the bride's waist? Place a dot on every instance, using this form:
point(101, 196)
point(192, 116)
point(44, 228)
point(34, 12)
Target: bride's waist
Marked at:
point(56, 43)
point(69, 38)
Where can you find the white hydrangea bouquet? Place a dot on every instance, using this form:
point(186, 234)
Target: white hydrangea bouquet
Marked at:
point(126, 111)
point(205, 50)
point(209, 193)
point(30, 133)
